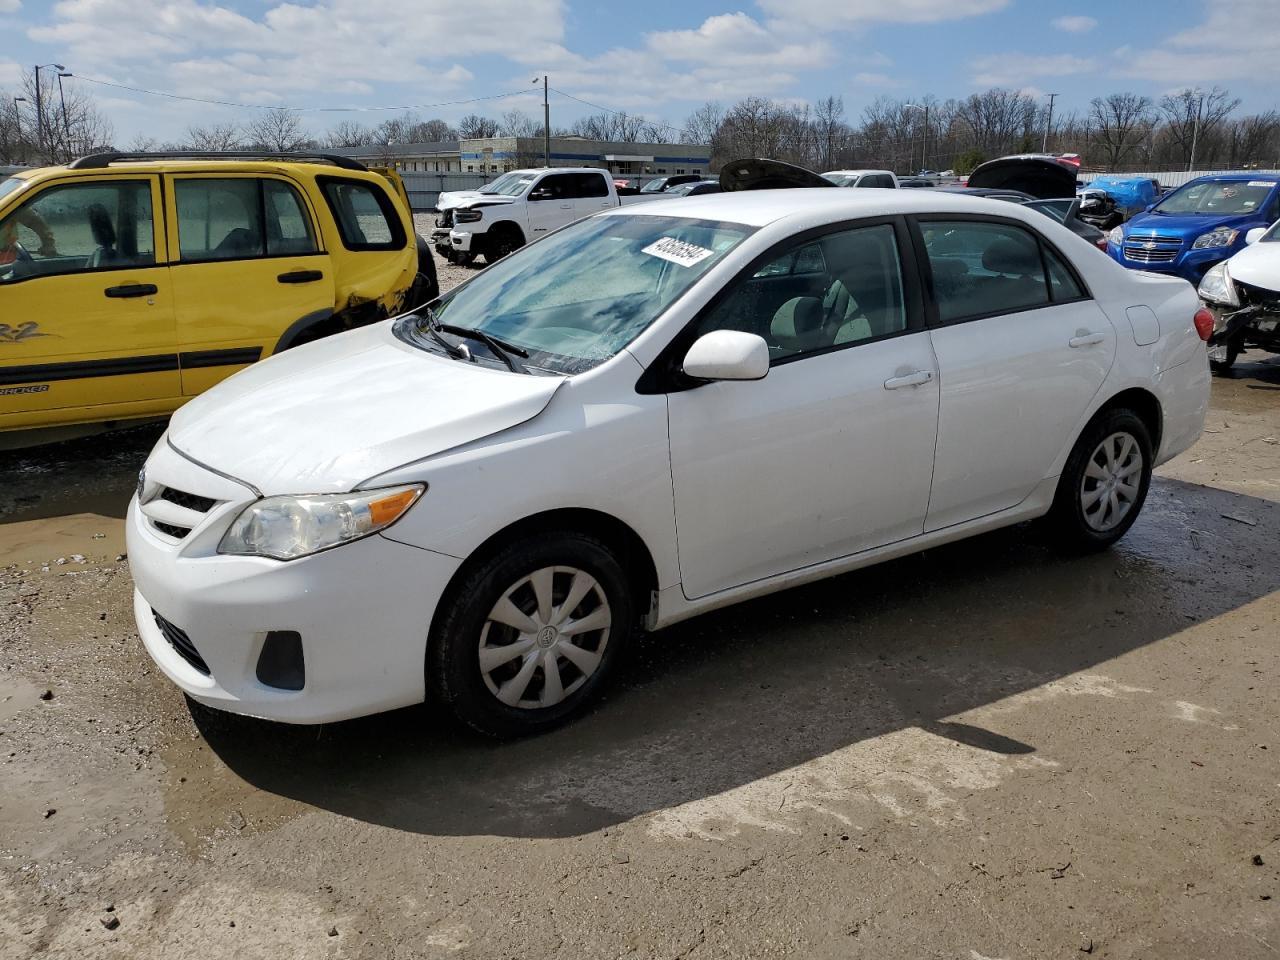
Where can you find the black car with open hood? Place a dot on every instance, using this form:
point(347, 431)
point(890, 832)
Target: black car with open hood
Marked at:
point(1045, 178)
point(760, 174)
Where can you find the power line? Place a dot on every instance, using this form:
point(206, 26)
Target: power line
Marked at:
point(262, 106)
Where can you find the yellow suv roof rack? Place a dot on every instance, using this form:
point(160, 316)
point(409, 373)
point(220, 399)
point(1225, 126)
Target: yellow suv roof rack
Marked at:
point(97, 160)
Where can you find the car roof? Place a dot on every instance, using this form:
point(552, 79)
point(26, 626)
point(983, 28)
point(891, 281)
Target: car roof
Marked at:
point(1242, 175)
point(757, 208)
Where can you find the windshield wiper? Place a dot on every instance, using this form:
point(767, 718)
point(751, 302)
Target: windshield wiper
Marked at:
point(456, 350)
point(506, 352)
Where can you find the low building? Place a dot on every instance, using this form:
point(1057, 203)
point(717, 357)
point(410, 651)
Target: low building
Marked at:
point(500, 154)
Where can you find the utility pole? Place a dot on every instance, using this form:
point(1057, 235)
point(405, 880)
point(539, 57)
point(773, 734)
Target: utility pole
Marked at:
point(40, 106)
point(1044, 147)
point(66, 123)
point(546, 126)
point(1195, 130)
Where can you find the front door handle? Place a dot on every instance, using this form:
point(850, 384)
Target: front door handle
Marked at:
point(913, 379)
point(1085, 339)
point(301, 276)
point(131, 290)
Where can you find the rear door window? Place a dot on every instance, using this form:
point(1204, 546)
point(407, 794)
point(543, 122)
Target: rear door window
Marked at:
point(366, 217)
point(219, 219)
point(288, 225)
point(983, 268)
point(591, 185)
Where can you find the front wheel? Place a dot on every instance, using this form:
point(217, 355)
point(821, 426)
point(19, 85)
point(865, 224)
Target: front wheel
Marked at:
point(1104, 483)
point(531, 635)
point(1222, 356)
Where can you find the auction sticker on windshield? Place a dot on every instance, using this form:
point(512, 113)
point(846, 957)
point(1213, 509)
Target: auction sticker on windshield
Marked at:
point(677, 251)
point(1261, 183)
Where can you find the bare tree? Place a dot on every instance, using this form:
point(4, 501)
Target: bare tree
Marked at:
point(475, 127)
point(830, 129)
point(432, 131)
point(1194, 117)
point(1119, 123)
point(1253, 139)
point(703, 124)
point(215, 138)
point(278, 130)
point(348, 133)
point(69, 122)
point(517, 123)
point(999, 121)
point(15, 144)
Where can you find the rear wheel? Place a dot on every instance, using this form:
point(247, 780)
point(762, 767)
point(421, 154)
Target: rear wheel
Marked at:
point(532, 634)
point(1104, 483)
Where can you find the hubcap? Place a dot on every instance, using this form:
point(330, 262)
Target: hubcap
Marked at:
point(544, 637)
point(1111, 481)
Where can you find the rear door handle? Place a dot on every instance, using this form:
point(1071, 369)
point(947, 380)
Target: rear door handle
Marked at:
point(131, 290)
point(1086, 339)
point(301, 276)
point(913, 379)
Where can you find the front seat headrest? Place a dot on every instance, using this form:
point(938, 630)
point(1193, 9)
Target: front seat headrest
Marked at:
point(104, 235)
point(797, 324)
point(1011, 257)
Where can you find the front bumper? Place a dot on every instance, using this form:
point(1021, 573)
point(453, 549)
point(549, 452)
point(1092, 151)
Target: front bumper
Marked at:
point(363, 611)
point(1190, 265)
point(463, 241)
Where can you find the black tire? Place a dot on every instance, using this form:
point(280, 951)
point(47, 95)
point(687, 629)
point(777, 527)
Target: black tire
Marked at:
point(1075, 530)
point(504, 240)
point(453, 673)
point(1223, 366)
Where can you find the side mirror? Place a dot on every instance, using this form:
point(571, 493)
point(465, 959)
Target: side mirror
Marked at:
point(1254, 235)
point(1148, 208)
point(727, 355)
point(540, 193)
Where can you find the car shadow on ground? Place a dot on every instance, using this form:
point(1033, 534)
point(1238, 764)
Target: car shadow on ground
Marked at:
point(729, 698)
point(95, 474)
point(1260, 370)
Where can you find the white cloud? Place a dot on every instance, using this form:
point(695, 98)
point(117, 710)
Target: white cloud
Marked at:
point(1074, 24)
point(1012, 69)
point(10, 6)
point(1237, 40)
point(735, 39)
point(10, 73)
point(874, 80)
point(837, 14)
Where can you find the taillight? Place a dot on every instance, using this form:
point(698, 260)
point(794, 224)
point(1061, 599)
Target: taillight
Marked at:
point(1204, 323)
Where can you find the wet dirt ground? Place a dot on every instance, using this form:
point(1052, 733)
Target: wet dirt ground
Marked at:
point(988, 750)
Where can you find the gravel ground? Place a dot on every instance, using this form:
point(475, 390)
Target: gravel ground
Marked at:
point(984, 751)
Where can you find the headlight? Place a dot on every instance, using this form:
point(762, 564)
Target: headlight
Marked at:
point(285, 528)
point(1222, 237)
point(1116, 235)
point(467, 216)
point(1216, 287)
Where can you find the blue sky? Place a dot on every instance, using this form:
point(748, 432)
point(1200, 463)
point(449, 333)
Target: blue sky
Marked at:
point(660, 59)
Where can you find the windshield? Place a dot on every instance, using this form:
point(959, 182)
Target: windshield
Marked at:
point(842, 179)
point(8, 185)
point(1218, 197)
point(1058, 209)
point(654, 186)
point(1272, 235)
point(510, 185)
point(577, 297)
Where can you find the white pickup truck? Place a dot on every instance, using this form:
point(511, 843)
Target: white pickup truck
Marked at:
point(521, 206)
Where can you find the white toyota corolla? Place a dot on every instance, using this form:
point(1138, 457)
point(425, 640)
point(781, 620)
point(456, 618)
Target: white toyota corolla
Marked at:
point(648, 414)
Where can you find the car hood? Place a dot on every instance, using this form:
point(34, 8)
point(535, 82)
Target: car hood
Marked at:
point(485, 200)
point(759, 174)
point(324, 417)
point(1187, 226)
point(1042, 177)
point(1257, 265)
point(451, 198)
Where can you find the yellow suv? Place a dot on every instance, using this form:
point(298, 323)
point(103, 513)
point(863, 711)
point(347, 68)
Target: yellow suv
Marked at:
point(129, 283)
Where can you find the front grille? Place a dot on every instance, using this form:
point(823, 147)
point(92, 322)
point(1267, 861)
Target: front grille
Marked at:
point(181, 643)
point(1250, 295)
point(191, 501)
point(1156, 238)
point(171, 530)
point(1138, 255)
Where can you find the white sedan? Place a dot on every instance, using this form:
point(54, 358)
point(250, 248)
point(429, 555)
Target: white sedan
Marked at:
point(646, 415)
